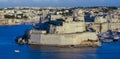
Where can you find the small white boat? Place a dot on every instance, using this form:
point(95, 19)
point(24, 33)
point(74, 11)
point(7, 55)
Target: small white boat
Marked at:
point(21, 41)
point(105, 35)
point(116, 38)
point(118, 31)
point(17, 51)
point(107, 40)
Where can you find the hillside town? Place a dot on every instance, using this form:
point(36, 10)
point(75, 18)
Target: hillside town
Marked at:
point(93, 17)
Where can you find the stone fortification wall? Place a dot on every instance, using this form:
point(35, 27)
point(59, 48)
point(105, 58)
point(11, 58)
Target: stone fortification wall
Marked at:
point(61, 39)
point(105, 26)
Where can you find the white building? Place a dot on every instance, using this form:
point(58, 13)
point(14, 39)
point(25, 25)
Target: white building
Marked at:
point(54, 17)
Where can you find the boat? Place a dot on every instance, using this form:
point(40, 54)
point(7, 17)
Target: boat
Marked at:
point(21, 41)
point(116, 38)
point(17, 51)
point(107, 40)
point(118, 31)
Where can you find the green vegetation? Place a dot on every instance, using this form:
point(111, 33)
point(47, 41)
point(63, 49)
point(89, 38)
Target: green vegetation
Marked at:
point(18, 16)
point(9, 16)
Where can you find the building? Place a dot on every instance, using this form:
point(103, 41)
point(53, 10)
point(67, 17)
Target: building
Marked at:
point(7, 22)
point(55, 17)
point(69, 33)
point(71, 27)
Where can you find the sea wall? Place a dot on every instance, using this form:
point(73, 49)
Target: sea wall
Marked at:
point(103, 27)
point(61, 39)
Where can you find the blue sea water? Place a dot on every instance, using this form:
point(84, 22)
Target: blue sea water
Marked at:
point(8, 47)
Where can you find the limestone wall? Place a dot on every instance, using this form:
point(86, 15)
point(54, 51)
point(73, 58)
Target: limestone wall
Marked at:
point(71, 27)
point(61, 39)
point(115, 26)
point(105, 26)
point(35, 38)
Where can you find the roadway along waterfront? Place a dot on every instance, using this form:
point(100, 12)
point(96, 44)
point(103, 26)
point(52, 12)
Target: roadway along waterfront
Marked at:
point(10, 50)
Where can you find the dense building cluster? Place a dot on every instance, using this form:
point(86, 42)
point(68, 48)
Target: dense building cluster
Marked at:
point(92, 17)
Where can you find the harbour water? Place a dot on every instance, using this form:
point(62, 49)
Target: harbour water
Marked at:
point(10, 50)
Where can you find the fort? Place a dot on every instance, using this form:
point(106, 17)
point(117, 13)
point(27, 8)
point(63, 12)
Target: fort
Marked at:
point(64, 33)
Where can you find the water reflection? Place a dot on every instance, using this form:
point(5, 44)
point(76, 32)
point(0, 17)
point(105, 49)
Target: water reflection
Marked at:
point(64, 53)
